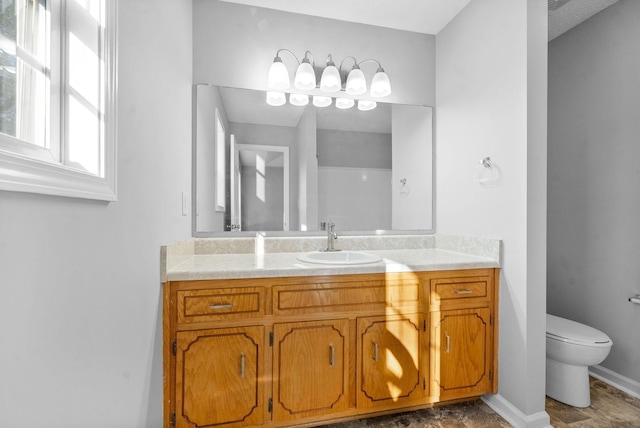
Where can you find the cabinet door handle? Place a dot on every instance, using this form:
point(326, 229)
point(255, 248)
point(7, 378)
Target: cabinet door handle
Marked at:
point(375, 351)
point(447, 347)
point(332, 361)
point(467, 291)
point(242, 364)
point(225, 306)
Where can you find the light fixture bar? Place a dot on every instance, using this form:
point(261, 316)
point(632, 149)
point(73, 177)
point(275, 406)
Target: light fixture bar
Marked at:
point(331, 81)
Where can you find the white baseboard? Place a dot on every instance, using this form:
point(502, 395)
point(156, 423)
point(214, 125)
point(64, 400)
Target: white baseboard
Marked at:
point(616, 380)
point(514, 416)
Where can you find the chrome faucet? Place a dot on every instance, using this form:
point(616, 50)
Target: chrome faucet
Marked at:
point(331, 237)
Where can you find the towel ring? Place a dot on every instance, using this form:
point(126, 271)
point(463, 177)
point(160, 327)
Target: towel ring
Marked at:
point(486, 171)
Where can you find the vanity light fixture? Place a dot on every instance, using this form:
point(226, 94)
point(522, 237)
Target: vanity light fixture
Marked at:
point(320, 101)
point(305, 78)
point(356, 83)
point(365, 105)
point(344, 103)
point(380, 85)
point(276, 99)
point(278, 75)
point(331, 80)
point(299, 99)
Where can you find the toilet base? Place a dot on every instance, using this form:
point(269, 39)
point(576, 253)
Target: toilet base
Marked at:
point(568, 384)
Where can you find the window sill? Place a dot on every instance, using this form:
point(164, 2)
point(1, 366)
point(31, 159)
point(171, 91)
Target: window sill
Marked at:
point(23, 174)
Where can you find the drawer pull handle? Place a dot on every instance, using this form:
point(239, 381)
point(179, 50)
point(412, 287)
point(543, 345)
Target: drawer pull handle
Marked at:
point(447, 348)
point(375, 351)
point(242, 365)
point(332, 361)
point(215, 307)
point(467, 291)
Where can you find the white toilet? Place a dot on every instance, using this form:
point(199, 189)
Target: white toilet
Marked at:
point(571, 348)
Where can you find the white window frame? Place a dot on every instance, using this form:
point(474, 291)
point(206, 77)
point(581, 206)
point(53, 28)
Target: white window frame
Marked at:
point(27, 168)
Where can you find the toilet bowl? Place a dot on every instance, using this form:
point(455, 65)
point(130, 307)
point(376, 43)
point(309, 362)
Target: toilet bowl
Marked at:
point(571, 348)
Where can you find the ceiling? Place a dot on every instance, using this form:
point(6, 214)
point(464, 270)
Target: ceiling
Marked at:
point(420, 16)
point(423, 16)
point(570, 13)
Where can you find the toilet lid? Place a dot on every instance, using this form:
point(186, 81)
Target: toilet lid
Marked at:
point(571, 331)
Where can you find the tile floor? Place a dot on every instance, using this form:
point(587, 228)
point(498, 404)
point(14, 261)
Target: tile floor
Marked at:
point(473, 414)
point(610, 408)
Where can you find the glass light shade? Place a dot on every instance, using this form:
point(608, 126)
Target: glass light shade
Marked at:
point(276, 99)
point(330, 80)
point(365, 105)
point(320, 101)
point(278, 78)
point(299, 99)
point(380, 85)
point(344, 103)
point(356, 84)
point(305, 76)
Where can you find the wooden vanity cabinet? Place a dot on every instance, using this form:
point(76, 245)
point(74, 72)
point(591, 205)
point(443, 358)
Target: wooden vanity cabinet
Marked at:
point(290, 351)
point(463, 340)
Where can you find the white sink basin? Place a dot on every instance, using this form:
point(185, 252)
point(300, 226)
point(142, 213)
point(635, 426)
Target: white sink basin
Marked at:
point(339, 258)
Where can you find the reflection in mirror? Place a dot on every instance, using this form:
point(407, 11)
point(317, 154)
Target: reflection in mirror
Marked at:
point(259, 187)
point(292, 168)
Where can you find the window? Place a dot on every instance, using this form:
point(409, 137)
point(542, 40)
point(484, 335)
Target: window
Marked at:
point(57, 97)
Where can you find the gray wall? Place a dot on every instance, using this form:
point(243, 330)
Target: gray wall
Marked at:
point(259, 214)
point(80, 294)
point(594, 176)
point(353, 149)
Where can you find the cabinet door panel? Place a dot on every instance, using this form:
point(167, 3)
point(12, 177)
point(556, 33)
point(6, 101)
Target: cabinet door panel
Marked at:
point(310, 368)
point(218, 377)
point(461, 353)
point(389, 360)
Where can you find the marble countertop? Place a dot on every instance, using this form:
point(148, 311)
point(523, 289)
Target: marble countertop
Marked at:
point(458, 253)
point(218, 266)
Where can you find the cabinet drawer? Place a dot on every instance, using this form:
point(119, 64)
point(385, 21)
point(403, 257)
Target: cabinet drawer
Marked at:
point(459, 288)
point(345, 296)
point(220, 304)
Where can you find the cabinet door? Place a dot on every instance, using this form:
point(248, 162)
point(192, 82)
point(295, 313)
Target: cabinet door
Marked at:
point(218, 376)
point(461, 353)
point(310, 368)
point(389, 360)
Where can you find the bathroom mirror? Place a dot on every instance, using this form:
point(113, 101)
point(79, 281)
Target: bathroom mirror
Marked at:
point(289, 169)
